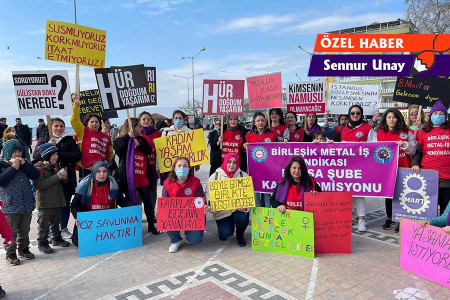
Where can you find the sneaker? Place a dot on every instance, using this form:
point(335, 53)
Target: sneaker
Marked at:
point(46, 249)
point(388, 224)
point(174, 247)
point(60, 242)
point(397, 229)
point(12, 259)
point(25, 253)
point(2, 292)
point(362, 226)
point(65, 233)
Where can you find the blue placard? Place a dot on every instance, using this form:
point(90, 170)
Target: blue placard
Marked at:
point(109, 230)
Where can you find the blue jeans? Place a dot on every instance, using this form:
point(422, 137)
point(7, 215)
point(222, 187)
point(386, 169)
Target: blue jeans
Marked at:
point(262, 200)
point(193, 237)
point(225, 226)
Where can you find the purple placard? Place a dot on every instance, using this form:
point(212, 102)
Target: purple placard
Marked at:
point(415, 195)
point(365, 169)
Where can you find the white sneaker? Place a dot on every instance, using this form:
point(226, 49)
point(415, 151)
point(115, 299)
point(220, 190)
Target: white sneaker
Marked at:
point(362, 226)
point(65, 233)
point(174, 247)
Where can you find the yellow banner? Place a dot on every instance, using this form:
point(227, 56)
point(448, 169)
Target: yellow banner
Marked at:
point(190, 144)
point(232, 193)
point(75, 44)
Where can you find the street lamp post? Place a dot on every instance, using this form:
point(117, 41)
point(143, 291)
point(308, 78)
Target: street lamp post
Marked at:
point(193, 76)
point(310, 56)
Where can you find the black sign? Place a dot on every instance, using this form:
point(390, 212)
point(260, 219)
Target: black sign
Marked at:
point(150, 74)
point(423, 91)
point(91, 103)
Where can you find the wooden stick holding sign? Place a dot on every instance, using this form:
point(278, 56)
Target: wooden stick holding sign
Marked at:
point(221, 131)
point(134, 112)
point(268, 118)
point(419, 114)
point(130, 125)
point(49, 126)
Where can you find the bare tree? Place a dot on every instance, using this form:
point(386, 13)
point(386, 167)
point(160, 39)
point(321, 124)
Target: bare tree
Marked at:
point(429, 16)
point(197, 112)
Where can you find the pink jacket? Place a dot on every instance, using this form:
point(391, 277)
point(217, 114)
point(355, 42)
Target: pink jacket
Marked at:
point(5, 230)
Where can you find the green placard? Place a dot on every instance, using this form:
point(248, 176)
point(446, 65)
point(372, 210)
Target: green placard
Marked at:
point(291, 232)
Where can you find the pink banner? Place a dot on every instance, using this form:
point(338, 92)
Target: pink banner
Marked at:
point(306, 97)
point(365, 169)
point(265, 91)
point(425, 251)
point(223, 97)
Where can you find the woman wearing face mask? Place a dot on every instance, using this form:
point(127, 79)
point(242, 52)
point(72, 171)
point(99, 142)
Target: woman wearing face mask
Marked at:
point(95, 145)
point(134, 167)
point(434, 141)
point(10, 133)
point(229, 220)
point(392, 127)
point(179, 120)
point(311, 125)
point(296, 133)
point(183, 183)
point(414, 120)
point(278, 124)
point(356, 130)
point(233, 141)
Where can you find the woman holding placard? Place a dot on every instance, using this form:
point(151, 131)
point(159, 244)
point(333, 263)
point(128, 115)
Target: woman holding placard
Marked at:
point(289, 193)
point(233, 141)
point(414, 121)
point(296, 133)
point(278, 124)
point(235, 219)
point(183, 183)
point(179, 120)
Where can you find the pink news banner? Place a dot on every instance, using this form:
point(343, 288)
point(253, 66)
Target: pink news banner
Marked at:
point(365, 169)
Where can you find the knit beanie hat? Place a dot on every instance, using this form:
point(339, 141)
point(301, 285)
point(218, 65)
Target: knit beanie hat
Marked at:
point(10, 146)
point(438, 106)
point(46, 150)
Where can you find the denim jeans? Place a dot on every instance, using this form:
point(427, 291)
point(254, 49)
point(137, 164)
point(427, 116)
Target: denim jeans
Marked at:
point(193, 237)
point(226, 226)
point(262, 200)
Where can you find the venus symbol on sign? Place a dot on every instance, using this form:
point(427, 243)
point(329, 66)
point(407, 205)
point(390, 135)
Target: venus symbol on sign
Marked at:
point(62, 89)
point(305, 223)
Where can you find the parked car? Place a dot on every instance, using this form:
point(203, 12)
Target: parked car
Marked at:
point(331, 121)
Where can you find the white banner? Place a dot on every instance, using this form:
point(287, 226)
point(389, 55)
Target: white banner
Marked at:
point(342, 96)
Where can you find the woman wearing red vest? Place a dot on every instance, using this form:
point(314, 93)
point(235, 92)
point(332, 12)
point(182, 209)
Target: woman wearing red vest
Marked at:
point(150, 133)
point(134, 168)
point(183, 183)
point(356, 130)
point(296, 133)
point(278, 124)
point(393, 128)
point(434, 141)
point(233, 141)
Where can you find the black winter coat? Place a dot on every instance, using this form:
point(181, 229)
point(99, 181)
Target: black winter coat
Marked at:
point(23, 132)
point(42, 133)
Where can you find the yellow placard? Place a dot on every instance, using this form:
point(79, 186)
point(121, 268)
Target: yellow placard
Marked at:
point(231, 193)
point(75, 44)
point(190, 144)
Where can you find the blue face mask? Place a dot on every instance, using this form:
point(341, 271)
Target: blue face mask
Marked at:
point(438, 119)
point(182, 173)
point(178, 123)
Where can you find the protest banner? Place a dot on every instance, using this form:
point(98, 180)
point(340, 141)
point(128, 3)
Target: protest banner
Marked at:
point(223, 97)
point(306, 97)
point(342, 96)
point(365, 169)
point(42, 93)
point(109, 230)
point(231, 193)
point(415, 195)
point(75, 44)
point(425, 251)
point(181, 213)
point(265, 91)
point(423, 91)
point(150, 74)
point(291, 232)
point(332, 221)
point(124, 87)
point(190, 144)
point(91, 103)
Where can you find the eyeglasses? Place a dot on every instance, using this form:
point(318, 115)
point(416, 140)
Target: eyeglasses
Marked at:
point(358, 113)
point(414, 114)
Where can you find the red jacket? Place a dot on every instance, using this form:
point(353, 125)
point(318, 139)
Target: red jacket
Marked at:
point(5, 230)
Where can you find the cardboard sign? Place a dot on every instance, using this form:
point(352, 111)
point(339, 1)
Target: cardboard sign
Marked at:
point(150, 74)
point(365, 169)
point(91, 103)
point(124, 87)
point(423, 91)
point(306, 97)
point(42, 93)
point(109, 230)
point(425, 251)
point(290, 233)
point(182, 213)
point(415, 195)
point(231, 193)
point(265, 91)
point(342, 96)
point(75, 44)
point(223, 97)
point(332, 221)
point(190, 144)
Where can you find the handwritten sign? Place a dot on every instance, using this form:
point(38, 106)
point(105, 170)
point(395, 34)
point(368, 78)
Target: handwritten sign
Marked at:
point(265, 91)
point(342, 96)
point(91, 103)
point(425, 251)
point(288, 233)
point(423, 91)
point(306, 97)
point(75, 44)
point(332, 221)
point(223, 97)
point(182, 213)
point(109, 230)
point(231, 193)
point(42, 93)
point(190, 144)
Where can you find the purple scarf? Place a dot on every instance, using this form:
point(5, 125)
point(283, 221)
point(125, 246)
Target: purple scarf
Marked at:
point(448, 219)
point(131, 177)
point(148, 130)
point(283, 190)
point(312, 130)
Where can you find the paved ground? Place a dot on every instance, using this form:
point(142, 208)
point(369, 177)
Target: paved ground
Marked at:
point(221, 270)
